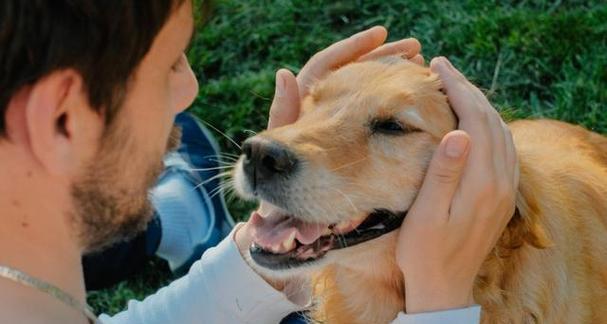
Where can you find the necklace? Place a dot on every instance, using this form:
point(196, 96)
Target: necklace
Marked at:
point(45, 287)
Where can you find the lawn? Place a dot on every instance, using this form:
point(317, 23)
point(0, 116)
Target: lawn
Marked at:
point(537, 58)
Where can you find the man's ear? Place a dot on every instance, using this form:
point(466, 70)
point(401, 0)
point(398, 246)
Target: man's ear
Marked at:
point(56, 121)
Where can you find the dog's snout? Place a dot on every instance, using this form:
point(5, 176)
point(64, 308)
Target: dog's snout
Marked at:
point(266, 159)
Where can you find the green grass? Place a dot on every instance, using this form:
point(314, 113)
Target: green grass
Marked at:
point(538, 58)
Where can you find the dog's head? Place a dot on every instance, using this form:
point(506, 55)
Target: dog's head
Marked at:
point(347, 171)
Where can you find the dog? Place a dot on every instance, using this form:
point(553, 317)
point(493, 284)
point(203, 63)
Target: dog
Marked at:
point(338, 182)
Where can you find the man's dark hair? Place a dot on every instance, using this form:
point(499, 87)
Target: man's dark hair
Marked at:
point(104, 40)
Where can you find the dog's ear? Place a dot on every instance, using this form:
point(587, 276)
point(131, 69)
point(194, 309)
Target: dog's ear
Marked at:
point(525, 226)
point(533, 231)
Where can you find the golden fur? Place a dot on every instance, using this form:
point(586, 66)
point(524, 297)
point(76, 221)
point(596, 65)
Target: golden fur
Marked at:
point(550, 266)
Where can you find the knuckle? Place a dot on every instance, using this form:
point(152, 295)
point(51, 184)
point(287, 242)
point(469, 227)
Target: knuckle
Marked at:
point(494, 199)
point(505, 208)
point(504, 192)
point(505, 195)
point(489, 188)
point(356, 41)
point(315, 60)
point(414, 45)
point(445, 174)
point(510, 194)
point(317, 56)
point(443, 177)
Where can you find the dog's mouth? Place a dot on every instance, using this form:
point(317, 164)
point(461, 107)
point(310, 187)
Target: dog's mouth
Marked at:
point(283, 241)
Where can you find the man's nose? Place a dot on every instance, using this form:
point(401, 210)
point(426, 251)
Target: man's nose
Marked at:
point(266, 160)
point(185, 86)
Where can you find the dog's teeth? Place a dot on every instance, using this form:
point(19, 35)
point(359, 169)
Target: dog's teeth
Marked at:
point(274, 248)
point(289, 247)
point(278, 248)
point(289, 243)
point(378, 226)
point(342, 225)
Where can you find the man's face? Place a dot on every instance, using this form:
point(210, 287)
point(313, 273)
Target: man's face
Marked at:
point(111, 195)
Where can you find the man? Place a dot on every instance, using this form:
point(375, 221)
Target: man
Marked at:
point(89, 92)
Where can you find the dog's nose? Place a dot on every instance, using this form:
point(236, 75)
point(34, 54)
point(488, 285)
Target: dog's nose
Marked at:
point(266, 159)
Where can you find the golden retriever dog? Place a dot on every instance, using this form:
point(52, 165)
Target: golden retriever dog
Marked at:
point(340, 180)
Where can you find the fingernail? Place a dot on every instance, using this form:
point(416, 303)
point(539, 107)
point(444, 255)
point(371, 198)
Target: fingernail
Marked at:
point(456, 146)
point(448, 64)
point(438, 64)
point(444, 63)
point(280, 84)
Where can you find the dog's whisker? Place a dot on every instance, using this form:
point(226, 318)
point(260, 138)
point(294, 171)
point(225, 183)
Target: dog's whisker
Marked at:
point(231, 195)
point(355, 210)
point(342, 240)
point(250, 131)
point(229, 154)
point(229, 187)
point(211, 169)
point(229, 192)
point(348, 164)
point(325, 150)
point(220, 154)
point(224, 189)
point(217, 176)
point(223, 157)
point(217, 191)
point(222, 133)
point(219, 188)
point(229, 163)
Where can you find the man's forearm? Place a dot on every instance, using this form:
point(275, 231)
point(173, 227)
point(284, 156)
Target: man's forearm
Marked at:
point(219, 288)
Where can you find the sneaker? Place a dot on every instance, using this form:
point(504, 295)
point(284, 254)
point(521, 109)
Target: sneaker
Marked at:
point(188, 193)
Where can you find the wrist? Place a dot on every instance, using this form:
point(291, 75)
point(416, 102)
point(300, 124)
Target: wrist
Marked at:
point(433, 294)
point(243, 239)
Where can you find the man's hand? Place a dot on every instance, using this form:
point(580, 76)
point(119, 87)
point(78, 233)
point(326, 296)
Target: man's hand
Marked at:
point(366, 45)
point(285, 108)
point(465, 202)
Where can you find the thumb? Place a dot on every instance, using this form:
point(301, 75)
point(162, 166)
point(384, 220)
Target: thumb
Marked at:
point(285, 106)
point(443, 175)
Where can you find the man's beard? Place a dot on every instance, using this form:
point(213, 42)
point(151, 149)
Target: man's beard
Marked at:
point(111, 199)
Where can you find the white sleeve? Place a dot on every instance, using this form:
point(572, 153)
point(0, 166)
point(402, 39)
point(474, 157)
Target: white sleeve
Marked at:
point(219, 288)
point(470, 315)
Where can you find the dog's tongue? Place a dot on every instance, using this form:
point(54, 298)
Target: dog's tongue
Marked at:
point(275, 228)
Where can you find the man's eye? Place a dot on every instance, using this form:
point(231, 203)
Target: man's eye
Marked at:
point(388, 127)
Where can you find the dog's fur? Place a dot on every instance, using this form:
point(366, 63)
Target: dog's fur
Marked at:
point(550, 265)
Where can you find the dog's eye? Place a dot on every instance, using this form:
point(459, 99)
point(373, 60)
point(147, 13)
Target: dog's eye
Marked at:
point(388, 126)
